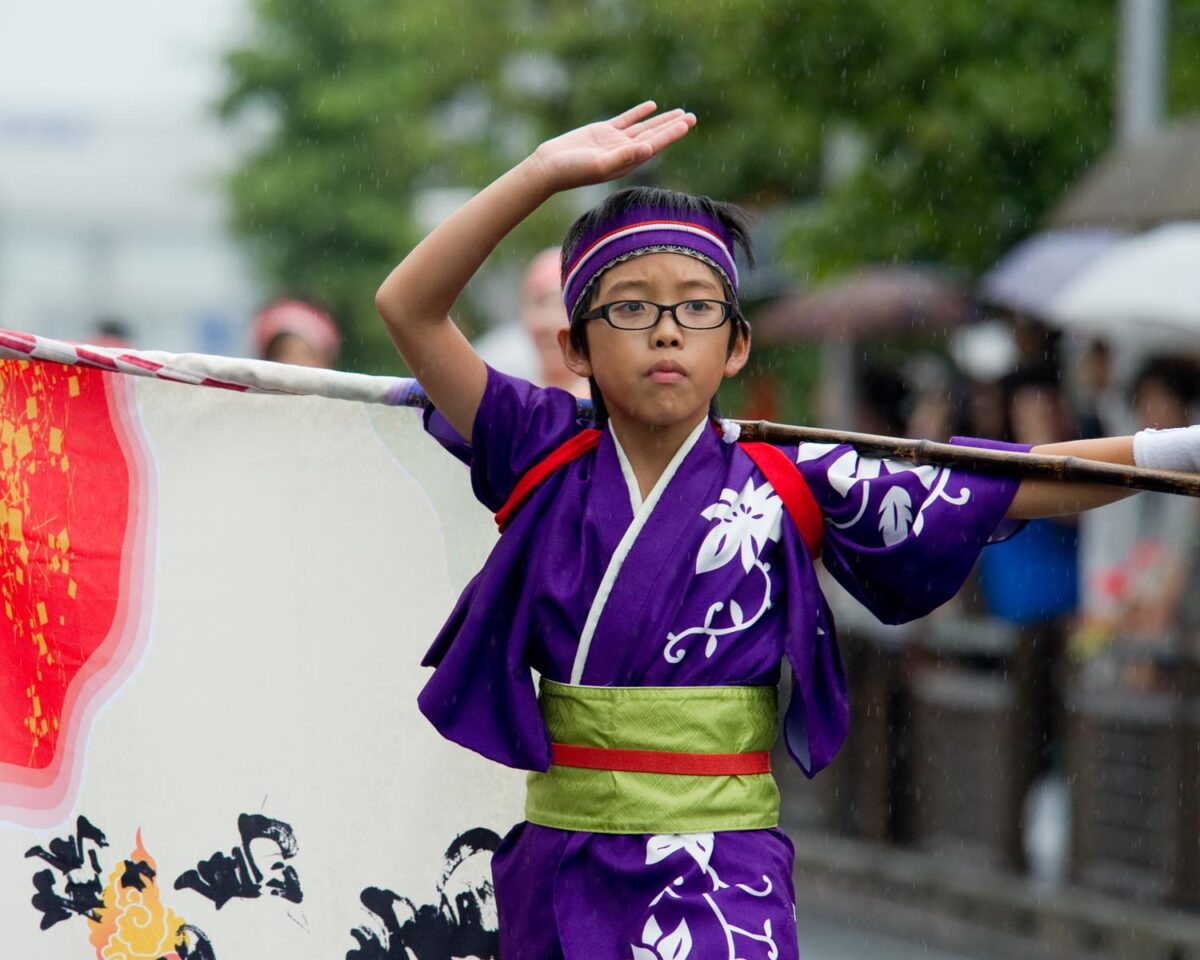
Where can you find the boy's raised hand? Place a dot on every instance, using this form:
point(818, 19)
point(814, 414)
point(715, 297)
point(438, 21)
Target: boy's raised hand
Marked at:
point(609, 149)
point(416, 298)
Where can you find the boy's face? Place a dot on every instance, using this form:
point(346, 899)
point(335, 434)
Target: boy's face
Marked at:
point(665, 375)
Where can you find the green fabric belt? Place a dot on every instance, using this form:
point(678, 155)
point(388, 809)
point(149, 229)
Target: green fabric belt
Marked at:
point(674, 719)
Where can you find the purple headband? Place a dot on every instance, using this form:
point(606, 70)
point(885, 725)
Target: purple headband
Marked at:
point(643, 228)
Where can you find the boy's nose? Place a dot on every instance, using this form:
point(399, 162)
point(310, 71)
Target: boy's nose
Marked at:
point(667, 333)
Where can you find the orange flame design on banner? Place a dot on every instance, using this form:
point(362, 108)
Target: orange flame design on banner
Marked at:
point(134, 924)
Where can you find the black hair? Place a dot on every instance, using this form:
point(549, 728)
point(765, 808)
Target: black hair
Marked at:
point(886, 394)
point(113, 327)
point(1176, 375)
point(731, 217)
point(1043, 375)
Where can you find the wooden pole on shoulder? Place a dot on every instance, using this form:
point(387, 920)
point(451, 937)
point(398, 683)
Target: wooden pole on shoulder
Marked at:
point(979, 460)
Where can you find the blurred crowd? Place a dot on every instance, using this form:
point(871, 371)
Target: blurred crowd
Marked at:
point(1065, 722)
point(1123, 582)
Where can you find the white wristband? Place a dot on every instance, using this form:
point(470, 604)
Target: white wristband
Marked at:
point(1177, 449)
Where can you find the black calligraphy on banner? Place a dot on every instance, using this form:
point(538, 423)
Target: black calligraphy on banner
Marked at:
point(239, 875)
point(75, 861)
point(193, 944)
point(462, 923)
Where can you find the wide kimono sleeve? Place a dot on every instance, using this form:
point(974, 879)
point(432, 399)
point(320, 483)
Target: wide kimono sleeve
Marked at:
point(902, 538)
point(481, 693)
point(516, 426)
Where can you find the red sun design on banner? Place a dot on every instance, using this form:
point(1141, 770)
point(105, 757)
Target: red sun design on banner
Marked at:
point(74, 581)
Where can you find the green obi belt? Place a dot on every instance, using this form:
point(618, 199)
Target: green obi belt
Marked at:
point(656, 759)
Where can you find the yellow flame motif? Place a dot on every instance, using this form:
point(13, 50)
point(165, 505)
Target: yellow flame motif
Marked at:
point(134, 924)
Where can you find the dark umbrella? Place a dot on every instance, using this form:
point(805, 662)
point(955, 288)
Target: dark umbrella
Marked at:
point(874, 302)
point(1139, 185)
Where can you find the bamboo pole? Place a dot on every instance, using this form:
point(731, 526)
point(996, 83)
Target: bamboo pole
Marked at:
point(979, 460)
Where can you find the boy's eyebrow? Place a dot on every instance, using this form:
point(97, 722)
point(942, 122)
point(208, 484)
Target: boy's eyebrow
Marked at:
point(705, 283)
point(627, 284)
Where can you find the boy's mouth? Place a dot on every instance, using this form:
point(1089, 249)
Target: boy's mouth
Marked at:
point(667, 371)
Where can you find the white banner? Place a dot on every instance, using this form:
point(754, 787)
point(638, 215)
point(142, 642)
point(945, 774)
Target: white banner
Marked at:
point(238, 768)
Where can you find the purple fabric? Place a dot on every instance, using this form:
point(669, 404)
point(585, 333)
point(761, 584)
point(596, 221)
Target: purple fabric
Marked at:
point(444, 433)
point(717, 589)
point(405, 392)
point(934, 538)
point(579, 895)
point(599, 248)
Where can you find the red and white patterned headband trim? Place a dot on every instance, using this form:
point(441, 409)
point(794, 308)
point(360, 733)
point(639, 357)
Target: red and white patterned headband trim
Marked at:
point(660, 227)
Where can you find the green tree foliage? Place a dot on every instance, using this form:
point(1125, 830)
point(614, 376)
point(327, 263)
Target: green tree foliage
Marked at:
point(968, 117)
point(869, 130)
point(369, 103)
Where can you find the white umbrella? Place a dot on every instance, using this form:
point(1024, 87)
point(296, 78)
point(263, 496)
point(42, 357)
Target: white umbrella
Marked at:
point(1037, 269)
point(1145, 289)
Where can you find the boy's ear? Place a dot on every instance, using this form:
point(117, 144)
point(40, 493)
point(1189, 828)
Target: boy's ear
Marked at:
point(574, 360)
point(739, 353)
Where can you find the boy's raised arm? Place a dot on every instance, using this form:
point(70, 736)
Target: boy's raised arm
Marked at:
point(416, 298)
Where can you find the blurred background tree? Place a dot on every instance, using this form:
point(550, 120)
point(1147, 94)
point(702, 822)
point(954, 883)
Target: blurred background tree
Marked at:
point(858, 130)
point(372, 110)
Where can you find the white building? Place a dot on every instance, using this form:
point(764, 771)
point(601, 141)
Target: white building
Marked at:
point(111, 170)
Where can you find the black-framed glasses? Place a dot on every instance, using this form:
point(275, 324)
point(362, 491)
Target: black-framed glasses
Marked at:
point(644, 314)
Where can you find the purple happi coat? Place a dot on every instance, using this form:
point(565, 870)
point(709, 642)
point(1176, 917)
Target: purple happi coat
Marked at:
point(706, 583)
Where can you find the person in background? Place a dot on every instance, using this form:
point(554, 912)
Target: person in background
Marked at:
point(543, 316)
point(1032, 578)
point(935, 408)
point(1100, 407)
point(111, 332)
point(529, 349)
point(1036, 343)
point(298, 332)
point(1139, 557)
point(880, 400)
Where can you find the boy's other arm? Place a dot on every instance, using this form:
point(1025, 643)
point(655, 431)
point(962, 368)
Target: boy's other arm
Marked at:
point(1047, 498)
point(416, 298)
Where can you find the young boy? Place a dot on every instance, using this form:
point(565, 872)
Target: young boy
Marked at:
point(655, 572)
